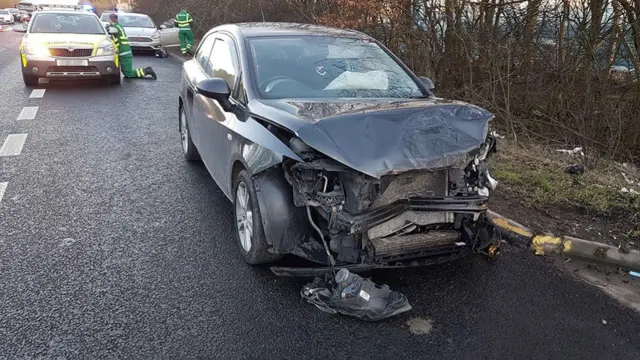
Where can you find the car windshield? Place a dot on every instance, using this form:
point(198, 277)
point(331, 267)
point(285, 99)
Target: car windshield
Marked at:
point(4, 12)
point(327, 67)
point(104, 17)
point(66, 24)
point(136, 21)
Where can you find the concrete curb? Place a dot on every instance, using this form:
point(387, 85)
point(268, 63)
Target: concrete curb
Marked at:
point(558, 245)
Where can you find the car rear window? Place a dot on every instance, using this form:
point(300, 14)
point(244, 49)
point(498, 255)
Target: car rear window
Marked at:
point(66, 24)
point(136, 21)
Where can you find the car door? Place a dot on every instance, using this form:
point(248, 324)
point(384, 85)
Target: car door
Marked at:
point(196, 71)
point(169, 34)
point(217, 125)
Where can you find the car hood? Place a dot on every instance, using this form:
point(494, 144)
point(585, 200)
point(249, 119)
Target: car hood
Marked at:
point(138, 31)
point(66, 39)
point(384, 137)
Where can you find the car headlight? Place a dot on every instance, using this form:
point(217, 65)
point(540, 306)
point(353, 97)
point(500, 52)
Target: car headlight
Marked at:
point(156, 35)
point(106, 48)
point(36, 49)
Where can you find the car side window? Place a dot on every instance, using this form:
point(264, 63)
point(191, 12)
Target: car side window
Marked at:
point(202, 55)
point(223, 61)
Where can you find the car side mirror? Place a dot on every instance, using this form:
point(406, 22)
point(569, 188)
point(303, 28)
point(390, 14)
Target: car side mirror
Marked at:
point(112, 30)
point(162, 27)
point(428, 83)
point(216, 89)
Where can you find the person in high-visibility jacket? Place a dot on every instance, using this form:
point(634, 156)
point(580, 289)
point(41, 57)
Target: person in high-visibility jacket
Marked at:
point(124, 53)
point(183, 21)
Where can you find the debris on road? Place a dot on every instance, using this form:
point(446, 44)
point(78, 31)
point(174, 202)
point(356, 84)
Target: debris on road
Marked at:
point(349, 294)
point(634, 273)
point(575, 169)
point(420, 326)
point(574, 151)
point(496, 135)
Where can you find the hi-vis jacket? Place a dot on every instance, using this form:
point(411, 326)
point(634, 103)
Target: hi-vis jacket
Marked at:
point(121, 41)
point(183, 21)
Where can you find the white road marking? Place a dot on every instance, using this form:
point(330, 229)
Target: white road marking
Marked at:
point(13, 145)
point(37, 93)
point(3, 188)
point(28, 113)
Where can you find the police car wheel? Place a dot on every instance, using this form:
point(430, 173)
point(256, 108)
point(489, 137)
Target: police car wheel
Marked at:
point(114, 80)
point(30, 80)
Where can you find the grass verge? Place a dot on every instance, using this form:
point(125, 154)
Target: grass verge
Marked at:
point(537, 175)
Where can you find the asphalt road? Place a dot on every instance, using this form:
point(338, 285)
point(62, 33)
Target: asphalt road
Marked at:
point(112, 246)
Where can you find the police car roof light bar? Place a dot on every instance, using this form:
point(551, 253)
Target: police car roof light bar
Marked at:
point(58, 7)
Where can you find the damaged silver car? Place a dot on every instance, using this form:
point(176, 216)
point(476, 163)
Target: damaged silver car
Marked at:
point(332, 150)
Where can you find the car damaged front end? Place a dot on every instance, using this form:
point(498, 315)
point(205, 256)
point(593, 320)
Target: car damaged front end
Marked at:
point(418, 197)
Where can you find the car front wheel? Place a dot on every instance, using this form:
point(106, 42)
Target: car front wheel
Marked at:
point(249, 231)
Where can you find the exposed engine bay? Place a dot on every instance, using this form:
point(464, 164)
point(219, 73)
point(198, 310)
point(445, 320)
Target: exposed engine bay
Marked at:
point(399, 218)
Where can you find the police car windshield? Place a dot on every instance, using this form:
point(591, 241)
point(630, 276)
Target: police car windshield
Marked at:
point(66, 24)
point(135, 21)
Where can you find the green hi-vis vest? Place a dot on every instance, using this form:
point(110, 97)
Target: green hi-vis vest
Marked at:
point(121, 41)
point(183, 21)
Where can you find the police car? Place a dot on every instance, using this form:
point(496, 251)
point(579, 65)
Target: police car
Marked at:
point(67, 42)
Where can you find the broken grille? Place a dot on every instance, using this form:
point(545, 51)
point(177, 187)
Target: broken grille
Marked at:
point(414, 184)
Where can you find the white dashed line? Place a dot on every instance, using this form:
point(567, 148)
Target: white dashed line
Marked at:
point(28, 113)
point(3, 188)
point(13, 145)
point(37, 94)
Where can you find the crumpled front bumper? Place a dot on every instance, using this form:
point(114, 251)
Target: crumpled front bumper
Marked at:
point(47, 67)
point(365, 221)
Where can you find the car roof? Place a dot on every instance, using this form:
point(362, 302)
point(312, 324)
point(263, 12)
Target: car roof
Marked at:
point(65, 12)
point(133, 14)
point(254, 29)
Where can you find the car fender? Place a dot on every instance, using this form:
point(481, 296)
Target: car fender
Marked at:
point(259, 148)
point(285, 225)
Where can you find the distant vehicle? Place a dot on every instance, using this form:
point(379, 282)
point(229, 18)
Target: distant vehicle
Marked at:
point(27, 6)
point(68, 44)
point(33, 5)
point(24, 16)
point(15, 12)
point(331, 149)
point(143, 34)
point(104, 18)
point(6, 17)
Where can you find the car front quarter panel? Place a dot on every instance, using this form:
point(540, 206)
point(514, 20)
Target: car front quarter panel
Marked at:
point(258, 144)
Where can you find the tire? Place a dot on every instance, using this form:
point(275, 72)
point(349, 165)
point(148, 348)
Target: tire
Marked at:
point(30, 81)
point(114, 79)
point(188, 148)
point(256, 250)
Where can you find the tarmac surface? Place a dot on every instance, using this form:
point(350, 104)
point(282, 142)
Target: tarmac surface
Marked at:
point(112, 246)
